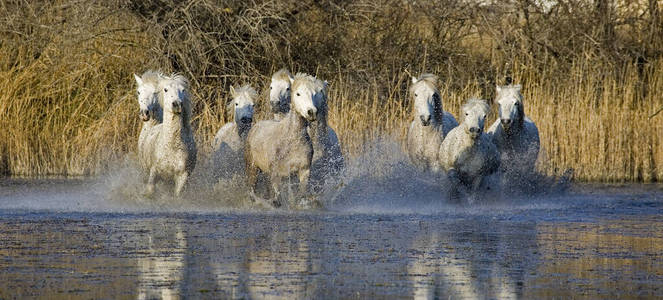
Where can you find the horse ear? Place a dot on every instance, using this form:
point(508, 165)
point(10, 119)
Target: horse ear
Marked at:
point(325, 84)
point(139, 81)
point(291, 78)
point(517, 87)
point(498, 88)
point(232, 91)
point(414, 80)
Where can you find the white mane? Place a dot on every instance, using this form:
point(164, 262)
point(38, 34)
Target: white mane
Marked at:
point(152, 77)
point(472, 103)
point(247, 90)
point(282, 74)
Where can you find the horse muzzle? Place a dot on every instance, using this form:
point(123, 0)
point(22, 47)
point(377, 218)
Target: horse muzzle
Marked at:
point(276, 106)
point(311, 115)
point(425, 120)
point(145, 115)
point(177, 107)
point(474, 132)
point(245, 120)
point(506, 123)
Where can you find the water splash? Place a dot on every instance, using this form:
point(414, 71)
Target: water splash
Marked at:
point(380, 180)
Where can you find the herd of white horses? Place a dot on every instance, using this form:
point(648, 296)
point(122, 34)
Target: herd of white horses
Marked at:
point(297, 141)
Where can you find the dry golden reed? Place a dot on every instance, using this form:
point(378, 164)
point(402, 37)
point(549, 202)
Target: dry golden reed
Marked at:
point(67, 96)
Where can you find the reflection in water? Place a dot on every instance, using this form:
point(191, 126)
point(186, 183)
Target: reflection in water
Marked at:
point(279, 268)
point(471, 260)
point(616, 257)
point(161, 264)
point(435, 274)
point(531, 254)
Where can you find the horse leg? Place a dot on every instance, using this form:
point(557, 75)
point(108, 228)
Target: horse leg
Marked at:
point(150, 182)
point(276, 185)
point(304, 175)
point(180, 181)
point(455, 185)
point(475, 187)
point(252, 180)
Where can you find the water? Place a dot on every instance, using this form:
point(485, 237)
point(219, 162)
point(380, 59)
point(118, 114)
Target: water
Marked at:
point(64, 238)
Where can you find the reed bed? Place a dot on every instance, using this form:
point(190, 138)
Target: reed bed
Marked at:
point(67, 96)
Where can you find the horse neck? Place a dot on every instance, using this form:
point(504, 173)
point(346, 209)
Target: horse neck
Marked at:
point(518, 126)
point(320, 132)
point(243, 131)
point(150, 123)
point(435, 126)
point(158, 114)
point(436, 122)
point(294, 122)
point(176, 125)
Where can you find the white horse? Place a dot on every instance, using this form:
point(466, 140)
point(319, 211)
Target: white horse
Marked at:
point(281, 148)
point(515, 135)
point(174, 153)
point(327, 159)
point(279, 93)
point(468, 155)
point(151, 112)
point(430, 124)
point(229, 141)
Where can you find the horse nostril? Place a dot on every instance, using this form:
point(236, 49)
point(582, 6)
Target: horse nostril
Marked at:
point(475, 130)
point(506, 121)
point(144, 114)
point(311, 113)
point(246, 120)
point(425, 119)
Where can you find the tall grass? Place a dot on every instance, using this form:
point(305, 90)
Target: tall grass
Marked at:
point(591, 75)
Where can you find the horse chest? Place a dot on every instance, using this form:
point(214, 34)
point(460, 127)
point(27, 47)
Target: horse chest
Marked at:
point(235, 142)
point(470, 162)
point(426, 141)
point(292, 155)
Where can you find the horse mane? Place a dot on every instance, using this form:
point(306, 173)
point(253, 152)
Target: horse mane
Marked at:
point(248, 90)
point(310, 81)
point(179, 79)
point(428, 77)
point(471, 103)
point(282, 74)
point(152, 77)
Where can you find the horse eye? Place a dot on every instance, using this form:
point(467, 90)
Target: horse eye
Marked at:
point(165, 90)
point(270, 88)
point(236, 104)
point(466, 114)
point(415, 94)
point(287, 89)
point(298, 94)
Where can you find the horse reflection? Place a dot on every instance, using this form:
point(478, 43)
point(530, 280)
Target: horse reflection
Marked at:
point(161, 264)
point(464, 265)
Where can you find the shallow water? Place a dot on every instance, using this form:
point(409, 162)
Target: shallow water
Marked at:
point(63, 238)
